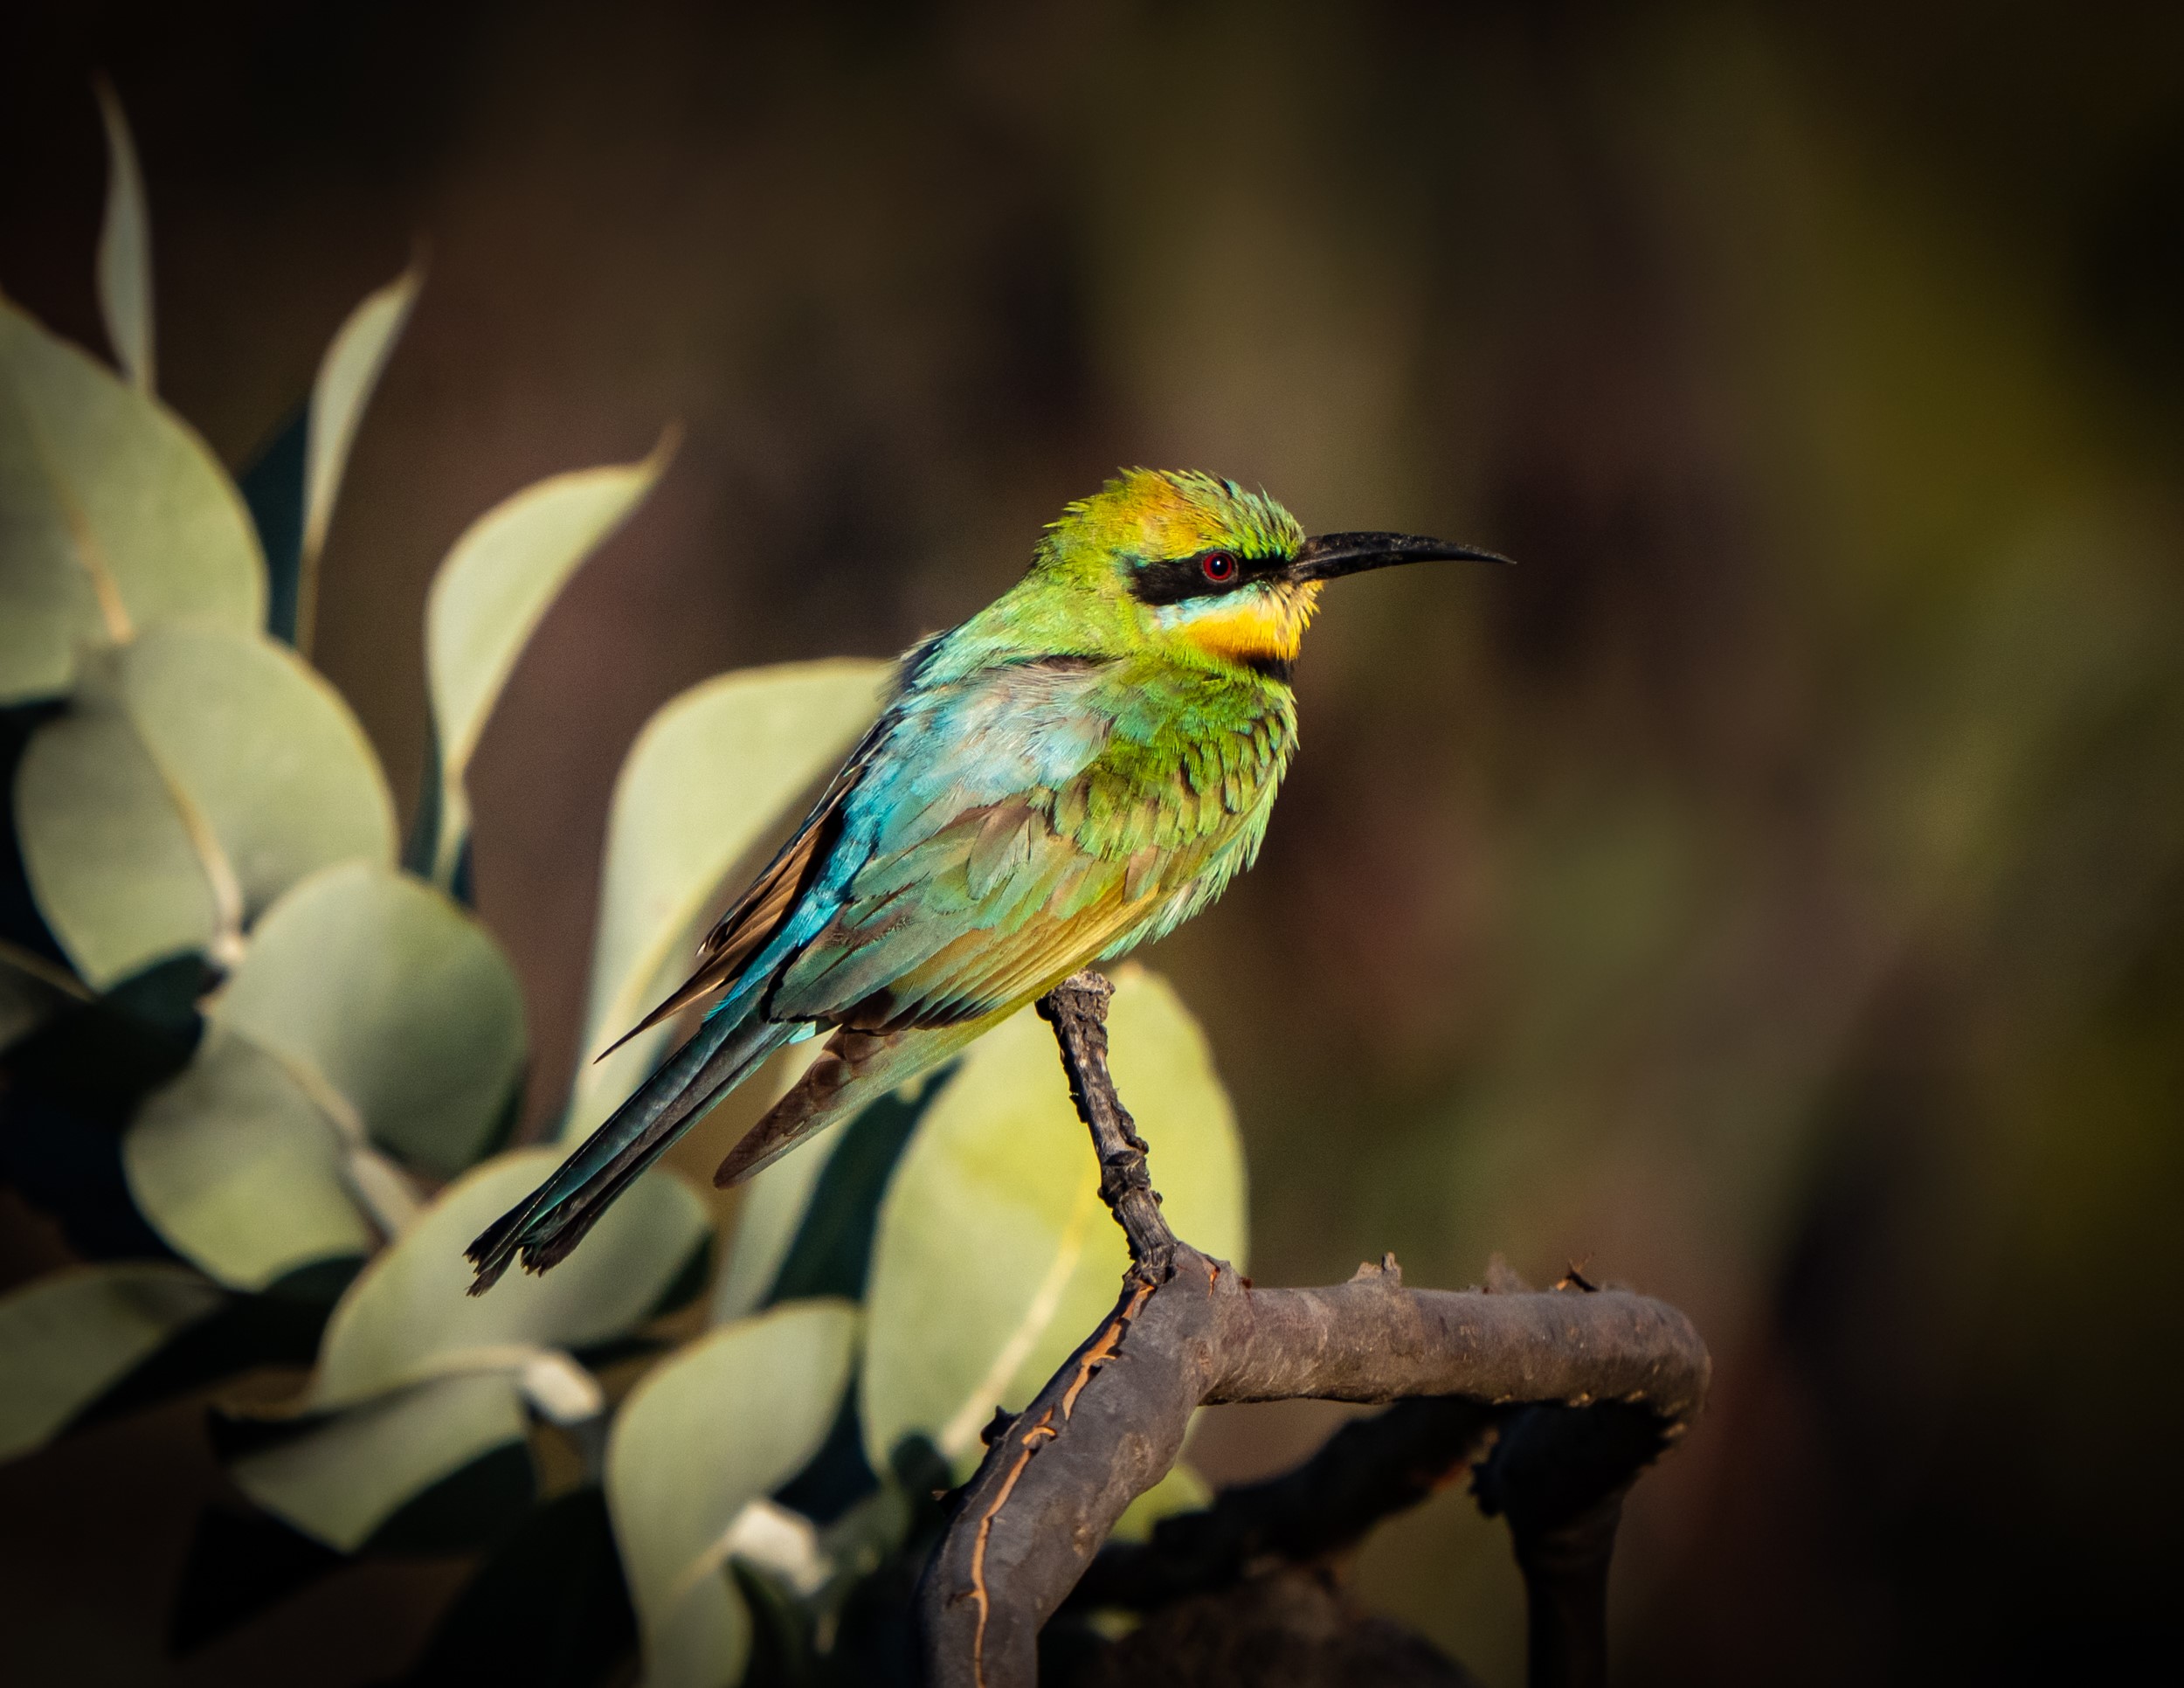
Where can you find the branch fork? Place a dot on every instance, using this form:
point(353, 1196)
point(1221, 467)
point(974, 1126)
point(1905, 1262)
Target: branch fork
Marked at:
point(1574, 1390)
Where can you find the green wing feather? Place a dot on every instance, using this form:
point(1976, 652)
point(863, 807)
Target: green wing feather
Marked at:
point(994, 902)
point(989, 906)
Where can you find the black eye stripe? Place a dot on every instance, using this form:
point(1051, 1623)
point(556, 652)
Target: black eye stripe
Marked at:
point(1172, 579)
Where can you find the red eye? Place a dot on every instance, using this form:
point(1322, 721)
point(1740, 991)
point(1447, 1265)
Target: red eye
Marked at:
point(1220, 567)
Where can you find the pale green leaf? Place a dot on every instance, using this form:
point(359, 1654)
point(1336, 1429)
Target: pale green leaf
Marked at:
point(1001, 1158)
point(409, 1312)
point(422, 1377)
point(125, 251)
point(489, 594)
point(203, 772)
point(347, 375)
point(707, 780)
point(728, 1419)
point(265, 748)
point(342, 1480)
point(115, 868)
point(240, 1171)
point(68, 1337)
point(113, 516)
point(774, 1203)
point(395, 998)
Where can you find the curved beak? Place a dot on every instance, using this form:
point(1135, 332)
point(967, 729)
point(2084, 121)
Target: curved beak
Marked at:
point(1329, 554)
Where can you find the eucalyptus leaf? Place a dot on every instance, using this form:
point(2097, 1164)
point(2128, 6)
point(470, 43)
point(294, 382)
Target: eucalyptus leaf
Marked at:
point(279, 1325)
point(23, 934)
point(121, 871)
point(204, 771)
point(831, 1251)
point(397, 1000)
point(411, 1313)
point(240, 1171)
point(125, 251)
point(489, 595)
point(293, 485)
point(340, 1480)
point(772, 1211)
point(725, 1423)
point(477, 1503)
point(116, 515)
point(706, 781)
point(995, 1257)
point(265, 748)
point(70, 1089)
point(68, 1337)
point(347, 375)
point(271, 485)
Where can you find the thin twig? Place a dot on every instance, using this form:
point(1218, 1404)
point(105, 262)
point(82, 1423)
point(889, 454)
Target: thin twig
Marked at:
point(1076, 1008)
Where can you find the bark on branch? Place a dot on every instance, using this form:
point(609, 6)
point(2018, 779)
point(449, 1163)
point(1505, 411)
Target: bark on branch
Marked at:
point(1579, 1389)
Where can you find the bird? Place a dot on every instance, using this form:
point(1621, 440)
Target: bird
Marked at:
point(1078, 769)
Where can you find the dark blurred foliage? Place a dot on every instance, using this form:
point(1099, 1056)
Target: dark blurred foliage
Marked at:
point(1771, 893)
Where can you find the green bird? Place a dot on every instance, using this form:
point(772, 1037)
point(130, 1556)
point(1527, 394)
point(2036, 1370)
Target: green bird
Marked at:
point(1079, 767)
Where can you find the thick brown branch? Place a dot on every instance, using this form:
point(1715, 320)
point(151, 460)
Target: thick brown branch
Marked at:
point(1110, 1422)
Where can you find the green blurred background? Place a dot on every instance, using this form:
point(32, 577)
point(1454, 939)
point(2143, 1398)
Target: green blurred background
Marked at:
point(1770, 895)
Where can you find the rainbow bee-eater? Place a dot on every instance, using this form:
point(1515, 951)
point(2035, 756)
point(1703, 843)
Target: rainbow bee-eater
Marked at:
point(1079, 767)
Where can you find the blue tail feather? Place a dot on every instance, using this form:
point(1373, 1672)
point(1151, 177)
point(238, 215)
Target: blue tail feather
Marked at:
point(554, 1218)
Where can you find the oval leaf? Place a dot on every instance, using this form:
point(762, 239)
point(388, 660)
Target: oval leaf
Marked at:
point(204, 771)
point(1002, 1160)
point(398, 1001)
point(236, 1168)
point(409, 1312)
point(119, 874)
point(489, 595)
point(707, 780)
point(265, 749)
point(341, 1480)
point(125, 250)
point(68, 1338)
point(728, 1419)
point(115, 512)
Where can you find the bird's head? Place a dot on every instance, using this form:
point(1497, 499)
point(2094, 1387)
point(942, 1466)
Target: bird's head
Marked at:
point(1195, 564)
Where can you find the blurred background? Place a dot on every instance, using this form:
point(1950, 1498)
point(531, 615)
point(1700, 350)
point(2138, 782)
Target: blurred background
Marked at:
point(1770, 895)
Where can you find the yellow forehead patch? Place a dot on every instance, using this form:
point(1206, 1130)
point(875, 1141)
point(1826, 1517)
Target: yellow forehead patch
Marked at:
point(1144, 513)
point(1252, 626)
point(1148, 514)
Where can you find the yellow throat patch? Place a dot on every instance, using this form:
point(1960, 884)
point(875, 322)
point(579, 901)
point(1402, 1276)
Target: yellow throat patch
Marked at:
point(1253, 626)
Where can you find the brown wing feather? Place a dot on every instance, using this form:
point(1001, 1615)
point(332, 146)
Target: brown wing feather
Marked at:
point(756, 916)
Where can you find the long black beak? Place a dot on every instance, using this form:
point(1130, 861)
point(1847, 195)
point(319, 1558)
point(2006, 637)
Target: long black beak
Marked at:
point(1330, 554)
